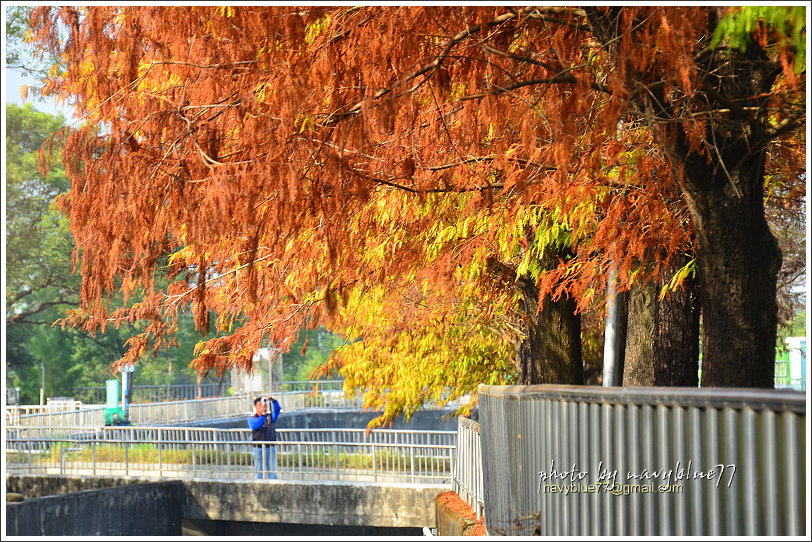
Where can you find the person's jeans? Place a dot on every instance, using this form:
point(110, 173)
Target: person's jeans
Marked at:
point(267, 455)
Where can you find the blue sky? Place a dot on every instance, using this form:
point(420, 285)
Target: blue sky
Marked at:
point(14, 80)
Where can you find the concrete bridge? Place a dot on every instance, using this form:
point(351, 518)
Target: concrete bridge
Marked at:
point(387, 482)
point(115, 506)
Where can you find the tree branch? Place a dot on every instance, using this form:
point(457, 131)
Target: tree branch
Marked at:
point(789, 124)
point(429, 69)
point(31, 290)
point(21, 316)
point(560, 78)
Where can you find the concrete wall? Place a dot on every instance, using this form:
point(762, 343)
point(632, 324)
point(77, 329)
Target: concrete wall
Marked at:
point(136, 510)
point(321, 503)
point(304, 502)
point(33, 485)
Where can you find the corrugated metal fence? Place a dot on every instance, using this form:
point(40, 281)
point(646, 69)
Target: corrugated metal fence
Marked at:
point(572, 460)
point(468, 481)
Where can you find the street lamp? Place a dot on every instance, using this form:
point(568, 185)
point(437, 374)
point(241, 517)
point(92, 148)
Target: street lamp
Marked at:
point(42, 383)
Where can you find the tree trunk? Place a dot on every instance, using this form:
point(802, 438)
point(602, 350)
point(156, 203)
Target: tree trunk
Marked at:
point(738, 260)
point(676, 338)
point(723, 183)
point(550, 352)
point(638, 368)
point(662, 347)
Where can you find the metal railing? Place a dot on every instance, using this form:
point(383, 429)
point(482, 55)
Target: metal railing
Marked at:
point(88, 416)
point(13, 412)
point(784, 380)
point(189, 411)
point(322, 398)
point(587, 461)
point(146, 393)
point(182, 411)
point(153, 393)
point(308, 385)
point(468, 482)
point(229, 456)
point(208, 434)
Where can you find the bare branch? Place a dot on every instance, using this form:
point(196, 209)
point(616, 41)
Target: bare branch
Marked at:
point(794, 121)
point(427, 69)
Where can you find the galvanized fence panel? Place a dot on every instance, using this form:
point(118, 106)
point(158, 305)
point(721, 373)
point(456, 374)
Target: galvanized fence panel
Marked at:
point(585, 461)
point(468, 481)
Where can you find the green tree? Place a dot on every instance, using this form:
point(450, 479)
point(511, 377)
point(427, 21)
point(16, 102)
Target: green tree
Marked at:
point(38, 245)
point(38, 242)
point(40, 284)
point(311, 350)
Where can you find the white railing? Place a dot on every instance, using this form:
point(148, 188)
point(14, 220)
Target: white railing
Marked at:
point(181, 411)
point(89, 416)
point(14, 412)
point(300, 400)
point(208, 434)
point(468, 481)
point(153, 393)
point(189, 411)
point(207, 459)
point(308, 385)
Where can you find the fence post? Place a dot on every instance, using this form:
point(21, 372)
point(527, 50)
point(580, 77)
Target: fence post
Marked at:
point(299, 454)
point(374, 462)
point(411, 459)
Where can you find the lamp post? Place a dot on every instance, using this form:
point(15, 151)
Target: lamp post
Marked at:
point(614, 332)
point(42, 383)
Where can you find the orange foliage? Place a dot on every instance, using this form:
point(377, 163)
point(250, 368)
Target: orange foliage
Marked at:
point(277, 162)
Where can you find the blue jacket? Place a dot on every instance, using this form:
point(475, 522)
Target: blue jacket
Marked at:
point(263, 428)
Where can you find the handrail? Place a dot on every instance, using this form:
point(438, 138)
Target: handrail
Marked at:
point(220, 435)
point(203, 459)
point(185, 411)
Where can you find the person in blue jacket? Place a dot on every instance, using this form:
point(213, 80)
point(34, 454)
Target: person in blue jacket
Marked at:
point(263, 428)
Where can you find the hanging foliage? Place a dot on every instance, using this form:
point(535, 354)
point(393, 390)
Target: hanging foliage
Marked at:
point(395, 172)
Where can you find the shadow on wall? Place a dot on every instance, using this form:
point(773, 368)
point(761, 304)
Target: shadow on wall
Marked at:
point(100, 512)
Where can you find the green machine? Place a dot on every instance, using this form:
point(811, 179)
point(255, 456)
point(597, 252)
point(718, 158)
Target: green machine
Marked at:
point(113, 414)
